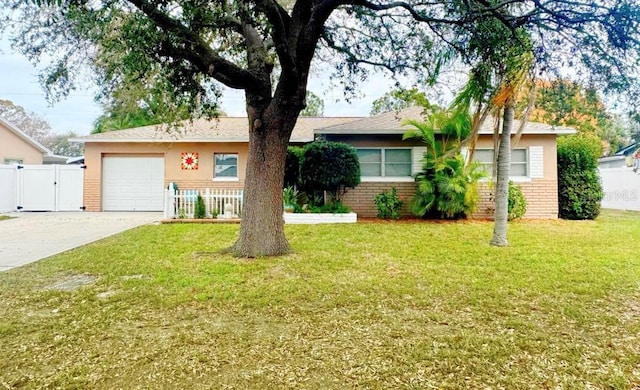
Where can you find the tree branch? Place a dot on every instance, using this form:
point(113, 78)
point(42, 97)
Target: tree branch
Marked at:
point(197, 51)
point(281, 22)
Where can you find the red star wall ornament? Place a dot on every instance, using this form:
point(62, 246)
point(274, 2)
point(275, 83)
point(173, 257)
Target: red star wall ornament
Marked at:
point(189, 161)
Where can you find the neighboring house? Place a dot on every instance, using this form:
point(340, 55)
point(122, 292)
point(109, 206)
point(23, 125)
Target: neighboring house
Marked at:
point(629, 156)
point(129, 169)
point(620, 176)
point(16, 147)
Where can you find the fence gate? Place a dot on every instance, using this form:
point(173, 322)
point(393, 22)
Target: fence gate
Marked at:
point(8, 188)
point(41, 187)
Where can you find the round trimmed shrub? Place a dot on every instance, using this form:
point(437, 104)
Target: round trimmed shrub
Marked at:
point(579, 187)
point(329, 166)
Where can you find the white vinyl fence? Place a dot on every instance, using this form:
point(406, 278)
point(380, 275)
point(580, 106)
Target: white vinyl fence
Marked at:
point(621, 188)
point(222, 204)
point(41, 187)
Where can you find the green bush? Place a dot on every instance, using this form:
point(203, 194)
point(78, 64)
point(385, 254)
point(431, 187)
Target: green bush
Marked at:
point(292, 166)
point(199, 211)
point(447, 187)
point(388, 204)
point(517, 202)
point(329, 166)
point(579, 187)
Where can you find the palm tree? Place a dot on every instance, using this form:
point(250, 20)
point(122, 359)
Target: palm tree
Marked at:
point(492, 89)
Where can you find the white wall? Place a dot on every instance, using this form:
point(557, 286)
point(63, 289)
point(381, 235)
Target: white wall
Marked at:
point(621, 188)
point(8, 188)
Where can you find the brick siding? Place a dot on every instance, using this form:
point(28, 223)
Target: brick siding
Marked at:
point(91, 193)
point(541, 195)
point(361, 198)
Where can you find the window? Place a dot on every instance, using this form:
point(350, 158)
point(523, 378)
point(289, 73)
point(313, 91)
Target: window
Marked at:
point(13, 161)
point(385, 162)
point(225, 166)
point(519, 161)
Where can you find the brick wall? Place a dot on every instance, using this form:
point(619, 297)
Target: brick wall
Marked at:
point(541, 195)
point(91, 193)
point(361, 198)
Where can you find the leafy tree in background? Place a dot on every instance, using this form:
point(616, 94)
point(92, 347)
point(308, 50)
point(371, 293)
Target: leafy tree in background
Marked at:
point(59, 144)
point(39, 129)
point(266, 49)
point(32, 124)
point(135, 104)
point(399, 99)
point(314, 105)
point(563, 102)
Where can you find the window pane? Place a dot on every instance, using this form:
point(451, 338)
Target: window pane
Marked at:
point(397, 155)
point(483, 155)
point(226, 165)
point(519, 155)
point(369, 155)
point(370, 169)
point(397, 169)
point(518, 170)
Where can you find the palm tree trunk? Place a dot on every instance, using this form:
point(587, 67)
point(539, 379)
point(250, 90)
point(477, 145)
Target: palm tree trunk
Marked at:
point(502, 178)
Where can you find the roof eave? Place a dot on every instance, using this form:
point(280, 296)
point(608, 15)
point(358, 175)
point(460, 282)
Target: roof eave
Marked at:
point(25, 137)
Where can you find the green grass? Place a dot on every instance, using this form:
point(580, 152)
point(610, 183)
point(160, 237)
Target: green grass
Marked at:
point(373, 305)
point(5, 217)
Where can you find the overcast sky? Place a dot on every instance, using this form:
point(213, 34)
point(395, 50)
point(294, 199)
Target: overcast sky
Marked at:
point(19, 83)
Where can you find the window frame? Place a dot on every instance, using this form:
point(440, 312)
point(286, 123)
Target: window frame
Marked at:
point(383, 163)
point(526, 163)
point(226, 178)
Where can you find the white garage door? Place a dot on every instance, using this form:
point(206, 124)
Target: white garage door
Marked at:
point(132, 183)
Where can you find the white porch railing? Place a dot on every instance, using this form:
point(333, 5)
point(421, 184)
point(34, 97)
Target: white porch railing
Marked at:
point(222, 204)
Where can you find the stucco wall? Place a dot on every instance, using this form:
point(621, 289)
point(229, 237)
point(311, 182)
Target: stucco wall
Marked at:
point(14, 147)
point(186, 179)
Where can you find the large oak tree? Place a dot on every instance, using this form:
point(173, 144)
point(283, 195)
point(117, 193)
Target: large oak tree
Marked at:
point(266, 48)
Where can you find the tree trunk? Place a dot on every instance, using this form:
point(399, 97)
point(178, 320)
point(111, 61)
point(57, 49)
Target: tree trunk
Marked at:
point(502, 179)
point(262, 226)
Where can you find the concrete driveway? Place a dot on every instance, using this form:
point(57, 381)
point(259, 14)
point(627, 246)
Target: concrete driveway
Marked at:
point(33, 236)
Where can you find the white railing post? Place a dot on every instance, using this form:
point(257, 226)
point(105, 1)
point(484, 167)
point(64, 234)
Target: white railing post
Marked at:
point(227, 203)
point(168, 202)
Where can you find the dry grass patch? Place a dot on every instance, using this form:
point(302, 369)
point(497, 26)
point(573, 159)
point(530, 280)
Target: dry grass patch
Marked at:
point(408, 305)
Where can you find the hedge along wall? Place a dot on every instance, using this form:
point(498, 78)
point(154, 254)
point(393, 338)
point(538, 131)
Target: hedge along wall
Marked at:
point(579, 186)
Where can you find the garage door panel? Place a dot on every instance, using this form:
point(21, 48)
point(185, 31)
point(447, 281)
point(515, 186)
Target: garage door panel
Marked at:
point(132, 183)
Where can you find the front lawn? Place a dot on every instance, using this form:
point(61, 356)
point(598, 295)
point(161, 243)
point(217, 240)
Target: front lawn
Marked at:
point(373, 305)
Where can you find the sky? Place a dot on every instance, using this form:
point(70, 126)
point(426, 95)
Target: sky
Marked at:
point(19, 83)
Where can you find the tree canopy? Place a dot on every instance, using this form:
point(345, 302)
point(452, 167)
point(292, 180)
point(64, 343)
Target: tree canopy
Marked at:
point(566, 103)
point(187, 48)
point(34, 125)
point(38, 128)
point(399, 99)
point(314, 105)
